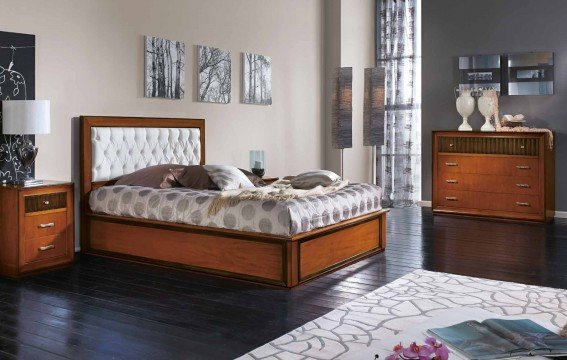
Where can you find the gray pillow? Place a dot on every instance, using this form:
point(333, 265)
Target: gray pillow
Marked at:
point(228, 177)
point(310, 179)
point(153, 176)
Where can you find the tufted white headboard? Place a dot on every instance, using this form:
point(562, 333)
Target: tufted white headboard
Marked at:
point(118, 151)
point(115, 146)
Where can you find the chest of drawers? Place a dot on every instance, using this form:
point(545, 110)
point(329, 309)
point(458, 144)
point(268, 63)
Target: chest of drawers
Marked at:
point(494, 174)
point(36, 227)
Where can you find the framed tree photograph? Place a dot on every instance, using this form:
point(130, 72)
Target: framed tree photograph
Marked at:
point(165, 68)
point(257, 79)
point(214, 71)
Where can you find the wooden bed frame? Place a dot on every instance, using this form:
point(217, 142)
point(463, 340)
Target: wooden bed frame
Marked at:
point(265, 258)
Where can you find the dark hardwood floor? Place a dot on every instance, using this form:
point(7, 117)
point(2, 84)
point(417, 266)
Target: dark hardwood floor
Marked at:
point(102, 308)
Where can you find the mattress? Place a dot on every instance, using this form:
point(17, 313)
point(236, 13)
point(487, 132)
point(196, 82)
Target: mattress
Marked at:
point(190, 206)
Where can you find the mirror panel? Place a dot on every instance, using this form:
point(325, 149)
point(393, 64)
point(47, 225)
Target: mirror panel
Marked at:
point(530, 73)
point(479, 71)
point(510, 74)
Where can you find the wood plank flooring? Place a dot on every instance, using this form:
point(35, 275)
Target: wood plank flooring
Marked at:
point(102, 308)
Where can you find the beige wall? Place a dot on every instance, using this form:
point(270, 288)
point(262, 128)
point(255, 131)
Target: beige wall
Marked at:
point(89, 59)
point(332, 61)
point(352, 45)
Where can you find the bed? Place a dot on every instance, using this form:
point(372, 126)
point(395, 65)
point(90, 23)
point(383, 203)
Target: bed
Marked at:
point(280, 243)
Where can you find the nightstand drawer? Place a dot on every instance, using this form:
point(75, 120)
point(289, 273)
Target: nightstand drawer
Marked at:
point(42, 202)
point(46, 247)
point(45, 224)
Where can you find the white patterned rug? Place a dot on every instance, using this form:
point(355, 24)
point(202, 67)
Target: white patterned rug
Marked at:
point(408, 301)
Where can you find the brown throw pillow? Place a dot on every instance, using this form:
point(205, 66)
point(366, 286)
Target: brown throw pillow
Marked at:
point(194, 177)
point(254, 179)
point(152, 176)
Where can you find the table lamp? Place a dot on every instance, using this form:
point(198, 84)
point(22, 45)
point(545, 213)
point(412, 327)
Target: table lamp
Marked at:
point(26, 117)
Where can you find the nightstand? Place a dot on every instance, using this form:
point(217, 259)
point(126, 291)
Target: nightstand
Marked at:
point(36, 227)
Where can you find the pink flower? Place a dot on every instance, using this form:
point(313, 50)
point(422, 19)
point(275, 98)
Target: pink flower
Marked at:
point(393, 357)
point(442, 352)
point(412, 351)
point(431, 350)
point(426, 351)
point(431, 341)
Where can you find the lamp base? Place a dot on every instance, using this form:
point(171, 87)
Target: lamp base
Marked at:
point(465, 126)
point(487, 126)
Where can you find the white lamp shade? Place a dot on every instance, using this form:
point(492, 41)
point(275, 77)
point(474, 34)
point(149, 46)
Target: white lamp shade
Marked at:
point(26, 117)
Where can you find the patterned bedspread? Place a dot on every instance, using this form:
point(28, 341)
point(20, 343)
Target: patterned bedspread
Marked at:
point(190, 206)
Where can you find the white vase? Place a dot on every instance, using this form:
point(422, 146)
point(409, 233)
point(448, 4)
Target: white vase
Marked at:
point(486, 108)
point(465, 107)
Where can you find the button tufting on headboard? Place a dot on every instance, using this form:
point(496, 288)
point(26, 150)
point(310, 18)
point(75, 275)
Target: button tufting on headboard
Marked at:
point(117, 151)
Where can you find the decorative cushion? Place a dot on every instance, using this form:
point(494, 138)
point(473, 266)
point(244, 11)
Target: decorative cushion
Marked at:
point(228, 177)
point(153, 176)
point(254, 179)
point(310, 179)
point(193, 176)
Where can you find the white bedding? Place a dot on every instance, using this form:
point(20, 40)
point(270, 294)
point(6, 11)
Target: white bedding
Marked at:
point(190, 206)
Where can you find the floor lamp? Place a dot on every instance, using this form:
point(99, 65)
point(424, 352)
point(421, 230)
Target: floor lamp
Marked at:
point(342, 112)
point(374, 111)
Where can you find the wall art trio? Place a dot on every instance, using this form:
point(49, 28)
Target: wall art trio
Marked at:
point(165, 73)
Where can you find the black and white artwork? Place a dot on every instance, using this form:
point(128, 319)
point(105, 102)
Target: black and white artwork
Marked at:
point(213, 74)
point(257, 79)
point(165, 68)
point(17, 82)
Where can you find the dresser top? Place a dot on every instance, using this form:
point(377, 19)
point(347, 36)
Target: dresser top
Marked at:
point(490, 133)
point(46, 183)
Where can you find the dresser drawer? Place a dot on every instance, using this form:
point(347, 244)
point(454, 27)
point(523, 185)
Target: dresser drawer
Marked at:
point(42, 202)
point(46, 247)
point(491, 165)
point(45, 224)
point(489, 183)
point(519, 203)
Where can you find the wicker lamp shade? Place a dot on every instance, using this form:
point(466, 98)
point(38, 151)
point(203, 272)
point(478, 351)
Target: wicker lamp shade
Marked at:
point(342, 108)
point(373, 125)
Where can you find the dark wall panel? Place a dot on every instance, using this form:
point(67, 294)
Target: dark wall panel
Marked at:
point(452, 28)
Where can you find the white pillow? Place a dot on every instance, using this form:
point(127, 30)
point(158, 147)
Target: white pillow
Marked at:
point(310, 179)
point(228, 177)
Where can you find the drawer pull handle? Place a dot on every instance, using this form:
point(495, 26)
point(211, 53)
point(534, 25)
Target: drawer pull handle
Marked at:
point(451, 164)
point(451, 181)
point(525, 204)
point(523, 185)
point(45, 202)
point(46, 247)
point(48, 225)
point(523, 167)
point(451, 198)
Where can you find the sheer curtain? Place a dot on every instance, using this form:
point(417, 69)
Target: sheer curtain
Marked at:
point(398, 51)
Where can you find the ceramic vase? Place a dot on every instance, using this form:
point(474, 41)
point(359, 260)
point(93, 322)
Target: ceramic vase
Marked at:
point(465, 107)
point(486, 108)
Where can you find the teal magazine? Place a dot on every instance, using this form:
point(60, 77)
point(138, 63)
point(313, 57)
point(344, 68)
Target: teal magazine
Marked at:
point(500, 339)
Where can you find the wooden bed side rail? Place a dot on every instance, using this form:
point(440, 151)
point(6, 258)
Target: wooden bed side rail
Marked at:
point(265, 258)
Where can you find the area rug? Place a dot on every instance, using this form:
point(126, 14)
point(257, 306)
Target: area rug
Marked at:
point(408, 301)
